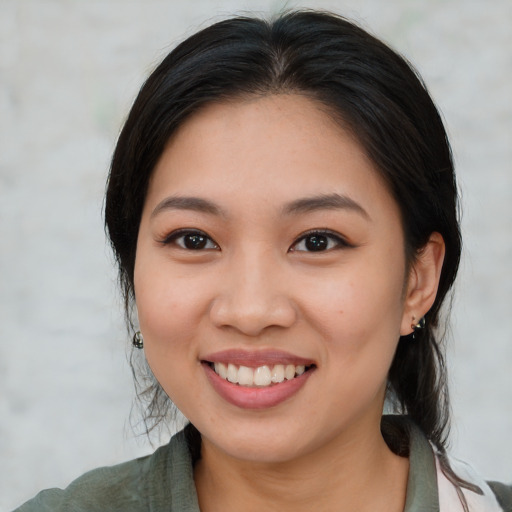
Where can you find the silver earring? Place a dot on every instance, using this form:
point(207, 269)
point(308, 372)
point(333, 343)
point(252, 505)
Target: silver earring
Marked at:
point(138, 340)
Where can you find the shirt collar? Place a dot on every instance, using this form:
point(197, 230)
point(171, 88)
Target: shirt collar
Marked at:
point(422, 494)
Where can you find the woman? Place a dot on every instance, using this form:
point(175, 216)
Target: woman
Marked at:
point(283, 209)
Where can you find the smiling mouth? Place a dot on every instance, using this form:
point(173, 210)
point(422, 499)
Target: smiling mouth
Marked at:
point(259, 377)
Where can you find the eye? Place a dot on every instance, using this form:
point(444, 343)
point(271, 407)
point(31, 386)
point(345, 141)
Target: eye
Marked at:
point(319, 241)
point(192, 240)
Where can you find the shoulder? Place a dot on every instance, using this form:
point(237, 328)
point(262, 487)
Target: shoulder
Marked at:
point(142, 484)
point(503, 494)
point(120, 487)
point(429, 488)
point(491, 496)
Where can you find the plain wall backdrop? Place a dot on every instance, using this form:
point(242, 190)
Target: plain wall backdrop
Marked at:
point(69, 71)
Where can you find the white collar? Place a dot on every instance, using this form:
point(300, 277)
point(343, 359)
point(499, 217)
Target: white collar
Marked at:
point(449, 500)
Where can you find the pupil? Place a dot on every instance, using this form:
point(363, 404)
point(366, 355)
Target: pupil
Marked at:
point(195, 241)
point(316, 242)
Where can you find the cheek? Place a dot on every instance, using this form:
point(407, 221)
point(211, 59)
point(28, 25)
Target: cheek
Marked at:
point(169, 304)
point(359, 316)
point(169, 311)
point(358, 301)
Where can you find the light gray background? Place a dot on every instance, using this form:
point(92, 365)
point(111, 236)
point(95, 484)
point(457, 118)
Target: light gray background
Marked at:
point(69, 71)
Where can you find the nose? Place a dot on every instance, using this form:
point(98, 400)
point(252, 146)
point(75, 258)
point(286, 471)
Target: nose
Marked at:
point(253, 297)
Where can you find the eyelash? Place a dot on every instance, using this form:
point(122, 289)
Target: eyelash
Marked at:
point(339, 241)
point(181, 233)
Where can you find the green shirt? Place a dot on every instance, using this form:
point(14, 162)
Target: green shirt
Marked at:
point(164, 482)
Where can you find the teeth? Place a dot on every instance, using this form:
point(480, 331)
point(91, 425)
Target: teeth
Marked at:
point(289, 371)
point(262, 376)
point(232, 375)
point(222, 370)
point(245, 376)
point(278, 373)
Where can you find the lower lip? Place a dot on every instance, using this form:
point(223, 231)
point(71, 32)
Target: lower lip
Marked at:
point(255, 398)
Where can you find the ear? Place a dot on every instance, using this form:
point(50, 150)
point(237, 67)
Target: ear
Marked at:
point(423, 282)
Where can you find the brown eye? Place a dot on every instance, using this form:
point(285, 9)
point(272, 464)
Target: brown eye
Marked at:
point(319, 241)
point(316, 243)
point(191, 240)
point(195, 241)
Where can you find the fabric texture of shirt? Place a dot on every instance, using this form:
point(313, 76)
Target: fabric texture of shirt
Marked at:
point(164, 482)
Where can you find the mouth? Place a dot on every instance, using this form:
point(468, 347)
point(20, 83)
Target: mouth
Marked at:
point(257, 379)
point(263, 376)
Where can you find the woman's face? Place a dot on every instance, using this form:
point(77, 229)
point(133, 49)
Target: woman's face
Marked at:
point(270, 250)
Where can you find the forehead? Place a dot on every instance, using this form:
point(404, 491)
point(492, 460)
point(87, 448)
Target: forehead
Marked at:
point(271, 149)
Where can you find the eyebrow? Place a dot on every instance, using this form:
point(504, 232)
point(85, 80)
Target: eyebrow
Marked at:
point(196, 204)
point(324, 202)
point(299, 206)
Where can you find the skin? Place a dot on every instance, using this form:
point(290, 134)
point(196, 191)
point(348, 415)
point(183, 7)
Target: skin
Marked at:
point(256, 287)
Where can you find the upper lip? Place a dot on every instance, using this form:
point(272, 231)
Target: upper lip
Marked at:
point(257, 358)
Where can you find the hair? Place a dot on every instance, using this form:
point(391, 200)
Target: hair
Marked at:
point(365, 86)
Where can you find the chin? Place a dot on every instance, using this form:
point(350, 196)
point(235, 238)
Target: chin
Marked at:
point(270, 443)
point(264, 453)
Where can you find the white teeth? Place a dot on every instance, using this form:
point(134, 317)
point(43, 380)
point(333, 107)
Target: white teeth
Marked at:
point(278, 373)
point(289, 371)
point(245, 376)
point(221, 369)
point(232, 375)
point(262, 376)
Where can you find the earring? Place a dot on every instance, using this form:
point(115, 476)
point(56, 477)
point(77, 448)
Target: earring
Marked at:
point(138, 340)
point(417, 326)
point(420, 324)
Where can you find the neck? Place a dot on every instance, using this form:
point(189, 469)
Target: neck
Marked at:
point(352, 472)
